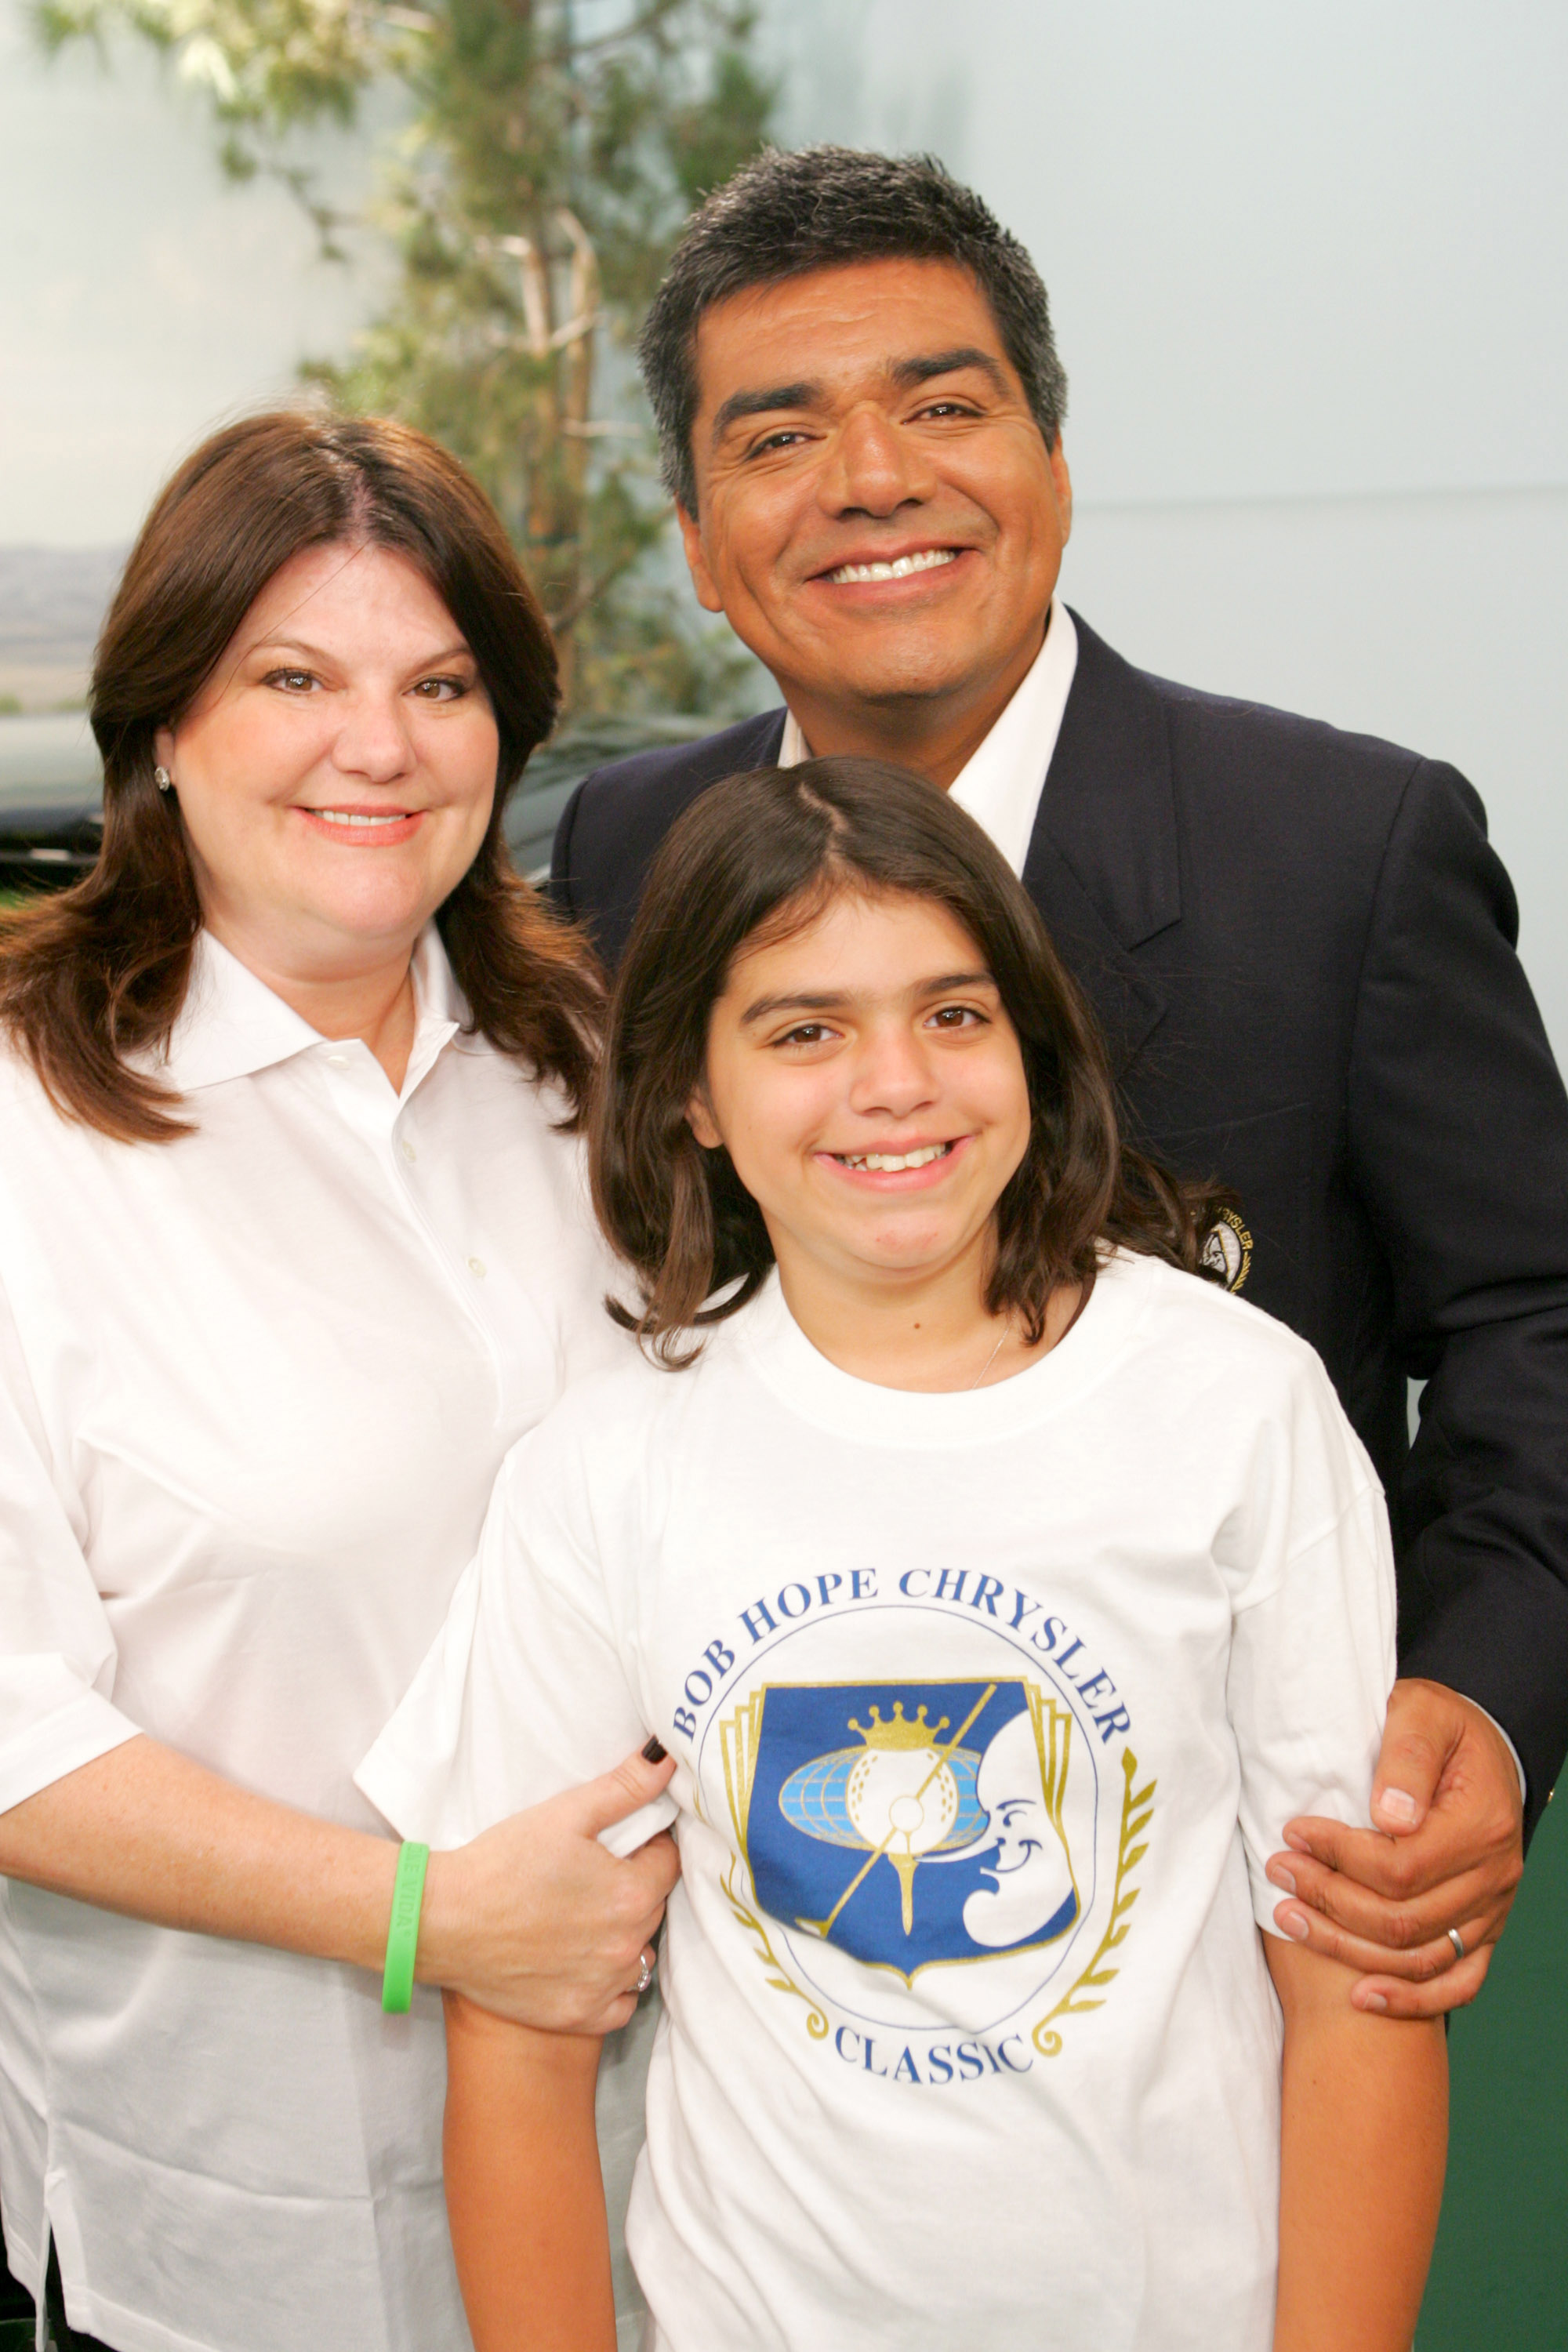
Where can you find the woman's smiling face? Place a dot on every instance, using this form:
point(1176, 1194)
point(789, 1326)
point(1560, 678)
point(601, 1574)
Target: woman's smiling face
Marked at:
point(868, 1086)
point(336, 773)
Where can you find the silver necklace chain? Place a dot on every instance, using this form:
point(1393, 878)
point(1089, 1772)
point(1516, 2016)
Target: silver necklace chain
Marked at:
point(985, 1367)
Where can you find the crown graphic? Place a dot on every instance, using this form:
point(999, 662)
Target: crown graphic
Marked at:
point(899, 1732)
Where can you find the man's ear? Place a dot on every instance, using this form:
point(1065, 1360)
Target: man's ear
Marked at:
point(708, 596)
point(1063, 480)
point(701, 1120)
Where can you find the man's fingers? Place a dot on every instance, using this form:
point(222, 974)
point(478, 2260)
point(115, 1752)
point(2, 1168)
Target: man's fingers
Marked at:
point(1389, 1997)
point(1399, 1924)
point(1424, 1726)
point(1399, 1869)
point(1424, 1964)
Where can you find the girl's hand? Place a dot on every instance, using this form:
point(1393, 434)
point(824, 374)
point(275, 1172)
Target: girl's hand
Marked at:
point(535, 1922)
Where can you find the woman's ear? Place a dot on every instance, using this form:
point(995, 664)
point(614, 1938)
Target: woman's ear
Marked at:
point(701, 1120)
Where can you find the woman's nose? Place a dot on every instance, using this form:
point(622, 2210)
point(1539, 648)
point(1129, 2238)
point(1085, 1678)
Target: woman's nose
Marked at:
point(374, 740)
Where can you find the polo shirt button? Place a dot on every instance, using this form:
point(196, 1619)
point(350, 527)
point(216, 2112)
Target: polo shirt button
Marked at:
point(407, 1151)
point(477, 1266)
point(337, 1061)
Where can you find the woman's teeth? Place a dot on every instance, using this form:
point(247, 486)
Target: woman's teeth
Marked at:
point(887, 1163)
point(354, 816)
point(928, 560)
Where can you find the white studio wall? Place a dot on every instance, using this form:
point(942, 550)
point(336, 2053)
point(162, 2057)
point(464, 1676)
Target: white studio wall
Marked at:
point(1306, 267)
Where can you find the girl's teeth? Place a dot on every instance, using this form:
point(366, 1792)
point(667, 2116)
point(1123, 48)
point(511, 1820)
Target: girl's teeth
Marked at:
point(928, 560)
point(888, 1164)
point(352, 816)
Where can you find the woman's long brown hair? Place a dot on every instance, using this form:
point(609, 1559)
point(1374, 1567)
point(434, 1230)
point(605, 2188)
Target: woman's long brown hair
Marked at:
point(98, 973)
point(757, 857)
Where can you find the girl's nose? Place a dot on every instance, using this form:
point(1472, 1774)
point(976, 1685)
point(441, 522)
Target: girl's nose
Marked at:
point(894, 1076)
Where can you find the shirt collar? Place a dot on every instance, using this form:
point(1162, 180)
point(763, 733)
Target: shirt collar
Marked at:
point(232, 1024)
point(1000, 784)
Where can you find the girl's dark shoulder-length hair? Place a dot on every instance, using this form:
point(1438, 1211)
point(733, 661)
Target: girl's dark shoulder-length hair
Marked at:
point(764, 854)
point(98, 974)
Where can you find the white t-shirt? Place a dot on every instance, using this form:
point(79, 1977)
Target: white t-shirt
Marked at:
point(255, 1387)
point(989, 1710)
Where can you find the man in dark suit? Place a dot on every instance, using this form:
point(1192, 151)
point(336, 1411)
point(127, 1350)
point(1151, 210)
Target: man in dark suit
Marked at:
point(1298, 942)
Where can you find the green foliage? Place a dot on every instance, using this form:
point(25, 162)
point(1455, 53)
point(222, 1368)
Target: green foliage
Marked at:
point(553, 150)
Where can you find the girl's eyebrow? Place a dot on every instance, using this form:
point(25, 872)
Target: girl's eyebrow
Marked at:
point(835, 1001)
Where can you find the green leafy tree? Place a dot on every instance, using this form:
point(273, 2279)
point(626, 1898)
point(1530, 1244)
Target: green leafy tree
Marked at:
point(550, 152)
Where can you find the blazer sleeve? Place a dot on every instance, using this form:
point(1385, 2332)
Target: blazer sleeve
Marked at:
point(1457, 1130)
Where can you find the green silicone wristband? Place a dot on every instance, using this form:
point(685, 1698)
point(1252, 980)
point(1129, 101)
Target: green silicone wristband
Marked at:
point(403, 1933)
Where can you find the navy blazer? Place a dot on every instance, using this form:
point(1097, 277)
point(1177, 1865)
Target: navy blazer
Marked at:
point(1301, 950)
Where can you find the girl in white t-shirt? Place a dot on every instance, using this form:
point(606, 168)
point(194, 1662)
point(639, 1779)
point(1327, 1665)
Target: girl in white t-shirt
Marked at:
point(1001, 1588)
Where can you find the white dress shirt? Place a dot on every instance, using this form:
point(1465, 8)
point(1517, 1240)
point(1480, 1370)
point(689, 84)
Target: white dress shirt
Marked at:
point(255, 1387)
point(1001, 784)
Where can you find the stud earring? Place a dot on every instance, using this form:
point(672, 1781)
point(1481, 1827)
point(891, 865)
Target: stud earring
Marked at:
point(162, 779)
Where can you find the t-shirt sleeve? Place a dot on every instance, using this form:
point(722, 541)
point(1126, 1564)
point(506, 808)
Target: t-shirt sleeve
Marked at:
point(58, 1651)
point(1312, 1644)
point(524, 1692)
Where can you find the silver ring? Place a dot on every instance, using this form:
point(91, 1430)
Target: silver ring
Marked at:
point(644, 1973)
point(1456, 1940)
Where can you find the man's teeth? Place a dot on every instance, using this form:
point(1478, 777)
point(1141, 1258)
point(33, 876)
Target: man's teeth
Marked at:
point(887, 1163)
point(354, 817)
point(928, 560)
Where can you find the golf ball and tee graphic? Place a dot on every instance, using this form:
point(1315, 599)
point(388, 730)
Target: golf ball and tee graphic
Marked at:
point(902, 1797)
point(958, 1788)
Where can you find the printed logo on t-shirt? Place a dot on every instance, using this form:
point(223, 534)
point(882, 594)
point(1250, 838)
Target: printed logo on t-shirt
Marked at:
point(908, 1824)
point(937, 1864)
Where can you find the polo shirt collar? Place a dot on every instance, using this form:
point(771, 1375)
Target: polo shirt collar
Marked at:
point(232, 1024)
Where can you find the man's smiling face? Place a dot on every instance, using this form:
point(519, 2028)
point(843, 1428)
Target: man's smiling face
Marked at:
point(877, 515)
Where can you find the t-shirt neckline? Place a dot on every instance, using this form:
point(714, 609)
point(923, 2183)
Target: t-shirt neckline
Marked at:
point(772, 1342)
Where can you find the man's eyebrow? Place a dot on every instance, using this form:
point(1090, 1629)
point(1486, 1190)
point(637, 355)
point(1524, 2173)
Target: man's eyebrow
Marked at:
point(759, 402)
point(835, 1001)
point(909, 373)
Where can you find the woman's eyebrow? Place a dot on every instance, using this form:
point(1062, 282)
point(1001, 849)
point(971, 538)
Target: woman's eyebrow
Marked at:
point(281, 644)
point(835, 1000)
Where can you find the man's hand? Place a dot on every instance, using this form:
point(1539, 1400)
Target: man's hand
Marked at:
point(1447, 1851)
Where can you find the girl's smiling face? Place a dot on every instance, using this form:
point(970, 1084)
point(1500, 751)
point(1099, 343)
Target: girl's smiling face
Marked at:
point(869, 1089)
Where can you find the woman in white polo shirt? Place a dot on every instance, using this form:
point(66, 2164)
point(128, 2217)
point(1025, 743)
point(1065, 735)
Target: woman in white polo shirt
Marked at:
point(292, 1249)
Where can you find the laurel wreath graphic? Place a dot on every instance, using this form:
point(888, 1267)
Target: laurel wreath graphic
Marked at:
point(1085, 1994)
point(781, 1981)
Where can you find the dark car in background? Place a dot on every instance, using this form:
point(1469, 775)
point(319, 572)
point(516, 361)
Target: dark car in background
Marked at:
point(51, 790)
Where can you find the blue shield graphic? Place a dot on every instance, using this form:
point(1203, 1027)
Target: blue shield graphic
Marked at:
point(907, 1822)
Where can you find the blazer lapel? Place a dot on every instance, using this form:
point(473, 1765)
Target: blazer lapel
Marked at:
point(1102, 864)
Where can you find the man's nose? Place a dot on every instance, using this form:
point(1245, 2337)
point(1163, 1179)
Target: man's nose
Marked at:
point(873, 467)
point(374, 740)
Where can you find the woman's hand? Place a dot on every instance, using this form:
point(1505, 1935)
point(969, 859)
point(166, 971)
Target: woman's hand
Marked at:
point(537, 1923)
point(534, 1919)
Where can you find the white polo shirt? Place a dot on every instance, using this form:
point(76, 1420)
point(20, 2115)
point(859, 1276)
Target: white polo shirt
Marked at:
point(255, 1387)
point(1002, 783)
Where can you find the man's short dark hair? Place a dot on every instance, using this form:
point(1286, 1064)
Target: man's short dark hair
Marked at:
point(821, 208)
